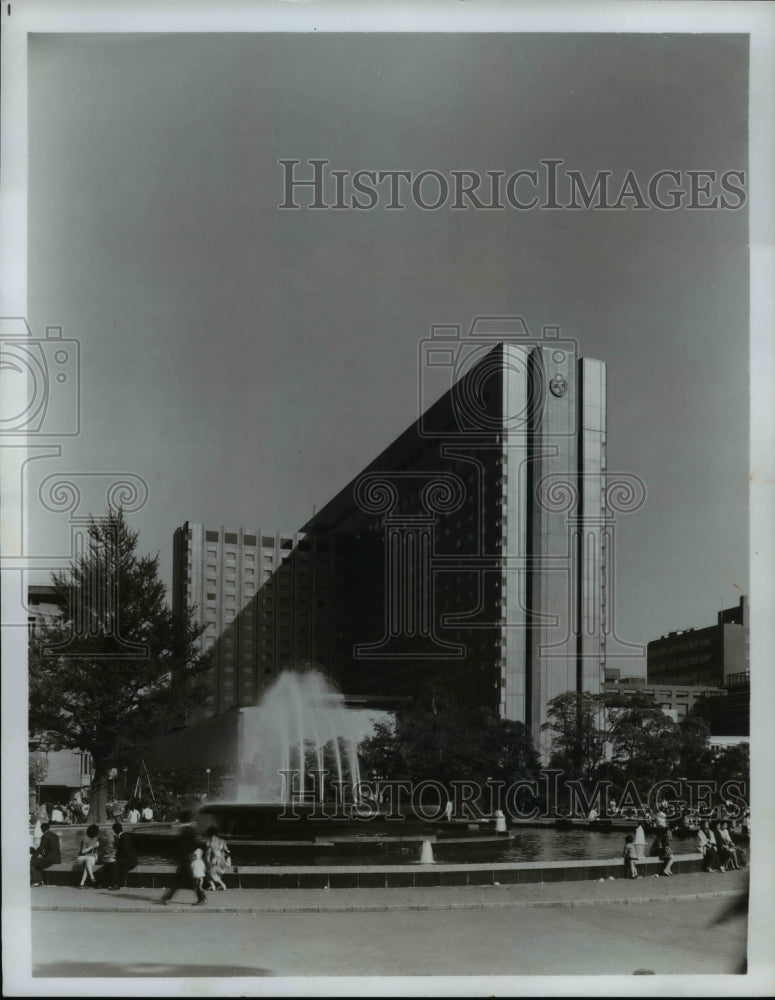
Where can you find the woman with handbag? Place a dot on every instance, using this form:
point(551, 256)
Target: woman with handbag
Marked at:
point(87, 855)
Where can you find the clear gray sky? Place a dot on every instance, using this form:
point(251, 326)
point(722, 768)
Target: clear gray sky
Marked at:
point(248, 362)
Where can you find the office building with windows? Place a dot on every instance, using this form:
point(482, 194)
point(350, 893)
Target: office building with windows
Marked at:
point(718, 655)
point(252, 590)
point(470, 556)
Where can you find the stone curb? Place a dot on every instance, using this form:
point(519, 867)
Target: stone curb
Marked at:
point(388, 907)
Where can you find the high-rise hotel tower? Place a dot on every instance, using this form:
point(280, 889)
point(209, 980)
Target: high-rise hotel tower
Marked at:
point(470, 556)
point(471, 560)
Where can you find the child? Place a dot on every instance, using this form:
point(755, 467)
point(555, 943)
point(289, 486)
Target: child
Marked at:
point(198, 871)
point(666, 854)
point(630, 856)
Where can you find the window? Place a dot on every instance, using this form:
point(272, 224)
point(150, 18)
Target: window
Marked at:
point(211, 536)
point(249, 540)
point(230, 538)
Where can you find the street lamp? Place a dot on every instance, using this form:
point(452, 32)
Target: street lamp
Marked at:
point(207, 772)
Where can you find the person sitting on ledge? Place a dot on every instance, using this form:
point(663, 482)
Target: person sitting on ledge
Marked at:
point(706, 845)
point(47, 853)
point(726, 848)
point(87, 855)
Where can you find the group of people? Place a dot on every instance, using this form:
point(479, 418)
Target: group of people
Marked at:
point(59, 814)
point(635, 849)
point(201, 864)
point(718, 849)
point(104, 856)
point(139, 812)
point(715, 844)
point(113, 849)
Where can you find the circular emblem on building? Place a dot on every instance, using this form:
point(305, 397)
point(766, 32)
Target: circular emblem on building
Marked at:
point(558, 385)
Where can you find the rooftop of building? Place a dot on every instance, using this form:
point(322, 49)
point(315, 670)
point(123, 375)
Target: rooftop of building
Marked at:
point(737, 615)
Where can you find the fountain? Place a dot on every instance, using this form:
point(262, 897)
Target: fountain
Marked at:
point(297, 759)
point(297, 793)
point(426, 854)
point(283, 832)
point(302, 727)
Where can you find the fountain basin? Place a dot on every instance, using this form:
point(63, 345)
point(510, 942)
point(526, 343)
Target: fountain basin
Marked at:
point(395, 876)
point(326, 821)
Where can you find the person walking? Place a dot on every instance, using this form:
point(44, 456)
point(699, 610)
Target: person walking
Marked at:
point(46, 854)
point(198, 872)
point(217, 859)
point(87, 855)
point(188, 842)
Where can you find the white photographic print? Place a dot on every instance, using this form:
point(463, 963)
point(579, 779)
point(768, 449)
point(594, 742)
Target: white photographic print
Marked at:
point(386, 438)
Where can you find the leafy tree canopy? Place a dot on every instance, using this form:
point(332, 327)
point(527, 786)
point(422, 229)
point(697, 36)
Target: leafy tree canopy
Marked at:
point(118, 667)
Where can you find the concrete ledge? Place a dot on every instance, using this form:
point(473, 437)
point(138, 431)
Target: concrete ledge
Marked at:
point(393, 876)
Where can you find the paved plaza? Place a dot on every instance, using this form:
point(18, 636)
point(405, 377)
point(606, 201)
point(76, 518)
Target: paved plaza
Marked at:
point(652, 925)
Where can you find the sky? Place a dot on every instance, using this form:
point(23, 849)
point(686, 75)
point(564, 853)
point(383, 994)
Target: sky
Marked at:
point(247, 362)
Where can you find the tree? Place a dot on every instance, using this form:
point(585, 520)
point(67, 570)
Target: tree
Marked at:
point(38, 770)
point(118, 667)
point(732, 764)
point(576, 719)
point(696, 757)
point(645, 741)
point(380, 754)
point(447, 743)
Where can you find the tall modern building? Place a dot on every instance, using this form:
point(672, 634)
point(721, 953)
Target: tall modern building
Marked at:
point(252, 589)
point(470, 556)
